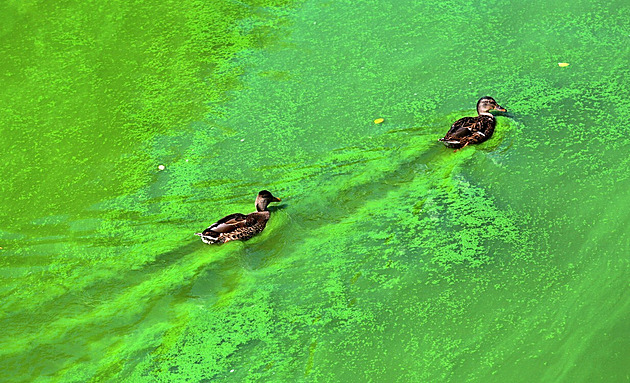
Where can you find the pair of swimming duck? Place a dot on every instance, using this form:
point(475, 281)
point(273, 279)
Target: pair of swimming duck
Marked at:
point(465, 131)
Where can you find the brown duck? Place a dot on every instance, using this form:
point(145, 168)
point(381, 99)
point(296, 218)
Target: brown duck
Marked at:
point(240, 226)
point(473, 130)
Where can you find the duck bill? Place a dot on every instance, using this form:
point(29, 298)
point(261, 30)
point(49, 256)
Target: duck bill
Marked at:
point(500, 108)
point(276, 199)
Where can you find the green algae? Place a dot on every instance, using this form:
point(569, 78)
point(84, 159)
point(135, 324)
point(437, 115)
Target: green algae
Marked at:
point(391, 257)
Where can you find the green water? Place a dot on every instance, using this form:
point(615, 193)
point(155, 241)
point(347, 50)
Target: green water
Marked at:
point(390, 259)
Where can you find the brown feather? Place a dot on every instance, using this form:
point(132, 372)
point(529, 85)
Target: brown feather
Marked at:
point(469, 130)
point(240, 226)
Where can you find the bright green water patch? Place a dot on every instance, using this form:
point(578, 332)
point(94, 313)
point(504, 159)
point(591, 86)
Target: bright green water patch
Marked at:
point(391, 258)
point(88, 92)
point(86, 88)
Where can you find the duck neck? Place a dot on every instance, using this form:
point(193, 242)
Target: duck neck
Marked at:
point(485, 113)
point(261, 204)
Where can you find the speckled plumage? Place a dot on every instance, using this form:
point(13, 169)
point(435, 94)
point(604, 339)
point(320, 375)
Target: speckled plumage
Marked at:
point(240, 226)
point(473, 130)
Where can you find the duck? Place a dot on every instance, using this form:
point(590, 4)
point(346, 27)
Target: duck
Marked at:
point(473, 130)
point(240, 226)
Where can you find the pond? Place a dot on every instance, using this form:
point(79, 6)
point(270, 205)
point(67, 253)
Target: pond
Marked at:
point(127, 127)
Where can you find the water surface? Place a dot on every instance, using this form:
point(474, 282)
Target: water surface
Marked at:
point(391, 258)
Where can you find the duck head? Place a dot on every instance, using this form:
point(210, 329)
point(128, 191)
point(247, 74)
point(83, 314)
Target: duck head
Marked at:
point(263, 199)
point(486, 104)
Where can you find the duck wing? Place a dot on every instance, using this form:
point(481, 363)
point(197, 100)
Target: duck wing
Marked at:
point(482, 130)
point(461, 128)
point(228, 224)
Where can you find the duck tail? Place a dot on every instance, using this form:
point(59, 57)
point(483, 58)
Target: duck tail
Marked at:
point(454, 144)
point(205, 238)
